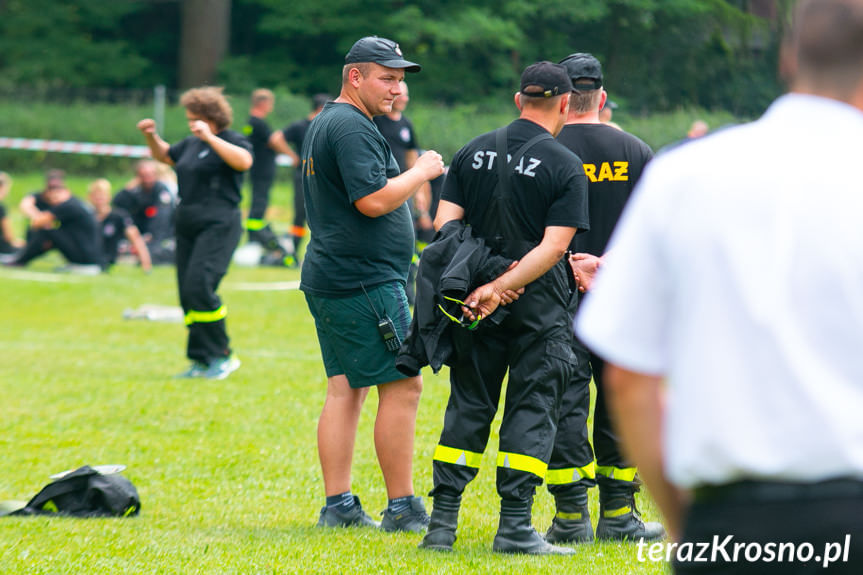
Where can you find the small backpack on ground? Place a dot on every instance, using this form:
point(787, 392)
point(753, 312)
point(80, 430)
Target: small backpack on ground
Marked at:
point(85, 492)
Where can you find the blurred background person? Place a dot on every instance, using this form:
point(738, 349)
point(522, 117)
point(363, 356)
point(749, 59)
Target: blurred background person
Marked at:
point(292, 137)
point(606, 113)
point(65, 224)
point(151, 205)
point(115, 225)
point(261, 176)
point(399, 133)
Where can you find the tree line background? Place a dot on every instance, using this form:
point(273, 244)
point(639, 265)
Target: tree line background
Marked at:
point(658, 55)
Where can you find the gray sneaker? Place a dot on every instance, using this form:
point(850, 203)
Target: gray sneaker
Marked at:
point(197, 369)
point(353, 517)
point(222, 367)
point(414, 519)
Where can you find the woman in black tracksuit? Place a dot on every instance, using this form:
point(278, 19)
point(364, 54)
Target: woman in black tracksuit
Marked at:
point(209, 165)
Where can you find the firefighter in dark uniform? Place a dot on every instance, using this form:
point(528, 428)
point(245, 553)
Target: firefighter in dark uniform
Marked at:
point(613, 161)
point(209, 165)
point(530, 214)
point(290, 142)
point(261, 175)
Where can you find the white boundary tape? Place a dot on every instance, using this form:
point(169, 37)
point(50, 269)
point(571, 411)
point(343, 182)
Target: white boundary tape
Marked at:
point(91, 148)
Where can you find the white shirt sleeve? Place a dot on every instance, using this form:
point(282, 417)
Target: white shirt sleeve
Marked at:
point(625, 317)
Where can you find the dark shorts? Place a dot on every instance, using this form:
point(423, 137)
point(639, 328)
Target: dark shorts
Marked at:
point(351, 344)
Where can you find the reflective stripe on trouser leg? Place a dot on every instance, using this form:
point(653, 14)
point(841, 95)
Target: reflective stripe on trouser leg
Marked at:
point(255, 225)
point(196, 316)
point(521, 462)
point(457, 456)
point(618, 473)
point(570, 474)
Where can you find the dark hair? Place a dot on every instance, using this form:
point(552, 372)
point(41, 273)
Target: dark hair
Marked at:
point(210, 104)
point(827, 41)
point(318, 100)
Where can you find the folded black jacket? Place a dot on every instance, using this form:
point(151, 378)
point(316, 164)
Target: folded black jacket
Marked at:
point(453, 264)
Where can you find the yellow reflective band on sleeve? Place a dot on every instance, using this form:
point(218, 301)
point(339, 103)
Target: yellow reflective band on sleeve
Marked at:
point(570, 474)
point(255, 225)
point(194, 316)
point(565, 515)
point(617, 512)
point(457, 456)
point(522, 463)
point(621, 473)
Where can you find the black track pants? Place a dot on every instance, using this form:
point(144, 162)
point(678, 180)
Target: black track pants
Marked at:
point(206, 239)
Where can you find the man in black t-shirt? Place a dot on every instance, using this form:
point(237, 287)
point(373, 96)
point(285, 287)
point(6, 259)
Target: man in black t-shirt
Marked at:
point(613, 161)
point(261, 176)
point(151, 206)
point(353, 278)
point(66, 225)
point(291, 140)
point(528, 210)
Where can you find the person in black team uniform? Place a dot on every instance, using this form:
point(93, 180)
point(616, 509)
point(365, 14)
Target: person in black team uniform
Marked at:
point(400, 135)
point(209, 165)
point(63, 223)
point(151, 206)
point(291, 138)
point(353, 278)
point(115, 225)
point(531, 218)
point(262, 175)
point(613, 161)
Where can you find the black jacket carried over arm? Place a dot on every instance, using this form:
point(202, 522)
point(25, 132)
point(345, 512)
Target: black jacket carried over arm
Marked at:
point(453, 265)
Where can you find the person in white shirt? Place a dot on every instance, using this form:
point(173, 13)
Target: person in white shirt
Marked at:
point(730, 310)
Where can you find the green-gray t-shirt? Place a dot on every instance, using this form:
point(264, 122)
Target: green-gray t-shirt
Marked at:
point(345, 158)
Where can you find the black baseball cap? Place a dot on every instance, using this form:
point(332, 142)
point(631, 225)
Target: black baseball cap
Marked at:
point(545, 80)
point(380, 51)
point(584, 70)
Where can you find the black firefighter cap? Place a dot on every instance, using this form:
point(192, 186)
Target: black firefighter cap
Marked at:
point(584, 70)
point(545, 80)
point(380, 51)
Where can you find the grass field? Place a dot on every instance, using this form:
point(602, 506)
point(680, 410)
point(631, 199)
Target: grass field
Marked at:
point(227, 470)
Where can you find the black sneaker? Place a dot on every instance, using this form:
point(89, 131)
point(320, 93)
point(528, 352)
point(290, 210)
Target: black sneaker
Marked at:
point(414, 519)
point(353, 517)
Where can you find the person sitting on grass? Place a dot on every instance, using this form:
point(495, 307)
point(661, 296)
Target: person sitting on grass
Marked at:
point(114, 225)
point(67, 225)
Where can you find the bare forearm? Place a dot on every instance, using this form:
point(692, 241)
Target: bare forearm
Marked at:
point(636, 403)
point(238, 158)
point(158, 148)
point(537, 261)
point(397, 191)
point(134, 237)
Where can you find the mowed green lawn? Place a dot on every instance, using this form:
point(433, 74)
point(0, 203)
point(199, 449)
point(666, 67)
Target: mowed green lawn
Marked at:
point(227, 470)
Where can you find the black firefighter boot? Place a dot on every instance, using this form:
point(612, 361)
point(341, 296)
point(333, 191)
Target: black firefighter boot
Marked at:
point(619, 519)
point(571, 523)
point(444, 520)
point(515, 534)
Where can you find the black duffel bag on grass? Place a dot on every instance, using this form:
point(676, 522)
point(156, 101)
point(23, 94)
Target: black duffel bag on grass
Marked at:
point(85, 492)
